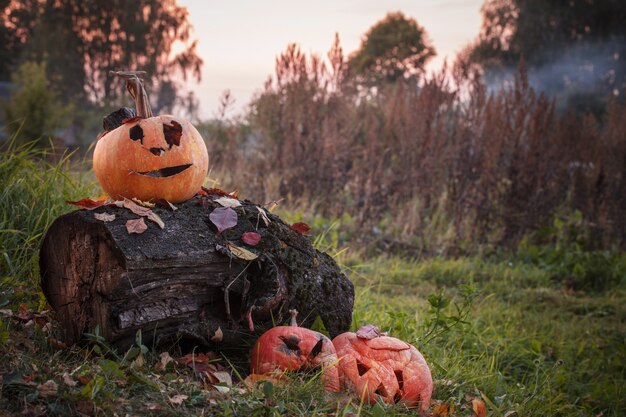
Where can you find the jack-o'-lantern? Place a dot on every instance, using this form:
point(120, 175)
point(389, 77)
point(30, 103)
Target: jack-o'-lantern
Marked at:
point(293, 348)
point(150, 158)
point(384, 367)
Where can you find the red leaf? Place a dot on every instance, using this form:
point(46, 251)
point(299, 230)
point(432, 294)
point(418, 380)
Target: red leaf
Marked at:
point(130, 119)
point(192, 358)
point(87, 203)
point(301, 228)
point(143, 211)
point(223, 218)
point(251, 238)
point(368, 331)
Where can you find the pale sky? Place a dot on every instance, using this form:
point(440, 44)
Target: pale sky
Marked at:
point(239, 40)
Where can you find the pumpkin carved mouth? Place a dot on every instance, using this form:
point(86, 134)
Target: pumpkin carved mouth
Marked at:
point(163, 172)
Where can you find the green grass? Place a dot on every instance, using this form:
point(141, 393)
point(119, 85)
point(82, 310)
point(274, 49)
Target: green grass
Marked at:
point(504, 330)
point(32, 194)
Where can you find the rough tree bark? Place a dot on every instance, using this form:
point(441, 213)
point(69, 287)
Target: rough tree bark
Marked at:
point(183, 283)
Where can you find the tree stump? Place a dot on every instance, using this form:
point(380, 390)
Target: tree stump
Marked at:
point(183, 283)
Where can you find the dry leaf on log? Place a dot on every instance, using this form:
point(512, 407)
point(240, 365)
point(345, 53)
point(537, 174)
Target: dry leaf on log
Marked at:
point(136, 226)
point(242, 253)
point(104, 217)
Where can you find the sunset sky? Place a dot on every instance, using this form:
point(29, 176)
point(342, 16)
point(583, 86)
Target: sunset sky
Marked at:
point(239, 40)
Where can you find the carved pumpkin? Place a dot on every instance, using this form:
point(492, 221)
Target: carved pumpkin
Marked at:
point(384, 367)
point(293, 348)
point(150, 158)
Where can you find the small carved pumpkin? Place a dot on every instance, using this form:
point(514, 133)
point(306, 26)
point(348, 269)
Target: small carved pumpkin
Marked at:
point(384, 367)
point(150, 158)
point(293, 348)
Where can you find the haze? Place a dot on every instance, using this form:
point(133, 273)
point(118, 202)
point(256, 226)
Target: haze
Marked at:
point(239, 40)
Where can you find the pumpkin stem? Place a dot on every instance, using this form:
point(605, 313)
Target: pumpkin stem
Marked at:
point(135, 87)
point(293, 313)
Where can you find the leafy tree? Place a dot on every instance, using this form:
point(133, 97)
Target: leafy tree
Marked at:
point(16, 24)
point(82, 40)
point(394, 47)
point(578, 45)
point(34, 111)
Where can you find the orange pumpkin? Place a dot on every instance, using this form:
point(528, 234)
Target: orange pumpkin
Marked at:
point(293, 348)
point(150, 158)
point(384, 367)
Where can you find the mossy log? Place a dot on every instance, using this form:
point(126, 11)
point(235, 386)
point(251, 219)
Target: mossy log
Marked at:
point(182, 282)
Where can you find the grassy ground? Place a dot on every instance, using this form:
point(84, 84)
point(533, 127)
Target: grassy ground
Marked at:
point(504, 331)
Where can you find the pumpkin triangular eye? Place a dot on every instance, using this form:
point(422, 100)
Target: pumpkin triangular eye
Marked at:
point(291, 342)
point(361, 367)
point(400, 379)
point(172, 133)
point(317, 349)
point(380, 390)
point(136, 133)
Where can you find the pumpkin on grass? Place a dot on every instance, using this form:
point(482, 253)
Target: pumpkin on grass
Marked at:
point(383, 367)
point(293, 348)
point(150, 157)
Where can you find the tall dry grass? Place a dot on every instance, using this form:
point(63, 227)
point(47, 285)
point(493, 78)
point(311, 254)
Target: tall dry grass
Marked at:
point(439, 161)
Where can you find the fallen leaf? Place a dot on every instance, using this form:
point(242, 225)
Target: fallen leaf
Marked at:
point(144, 203)
point(510, 413)
point(29, 328)
point(223, 378)
point(56, 343)
point(104, 217)
point(178, 399)
point(136, 226)
point(138, 363)
point(46, 328)
point(48, 388)
point(223, 218)
point(251, 238)
point(31, 377)
point(478, 406)
point(218, 336)
point(87, 203)
point(6, 312)
point(369, 331)
point(24, 313)
point(264, 216)
point(241, 253)
point(301, 228)
point(443, 410)
point(253, 379)
point(68, 380)
point(164, 359)
point(227, 202)
point(84, 379)
point(222, 389)
point(144, 212)
point(192, 358)
point(271, 206)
